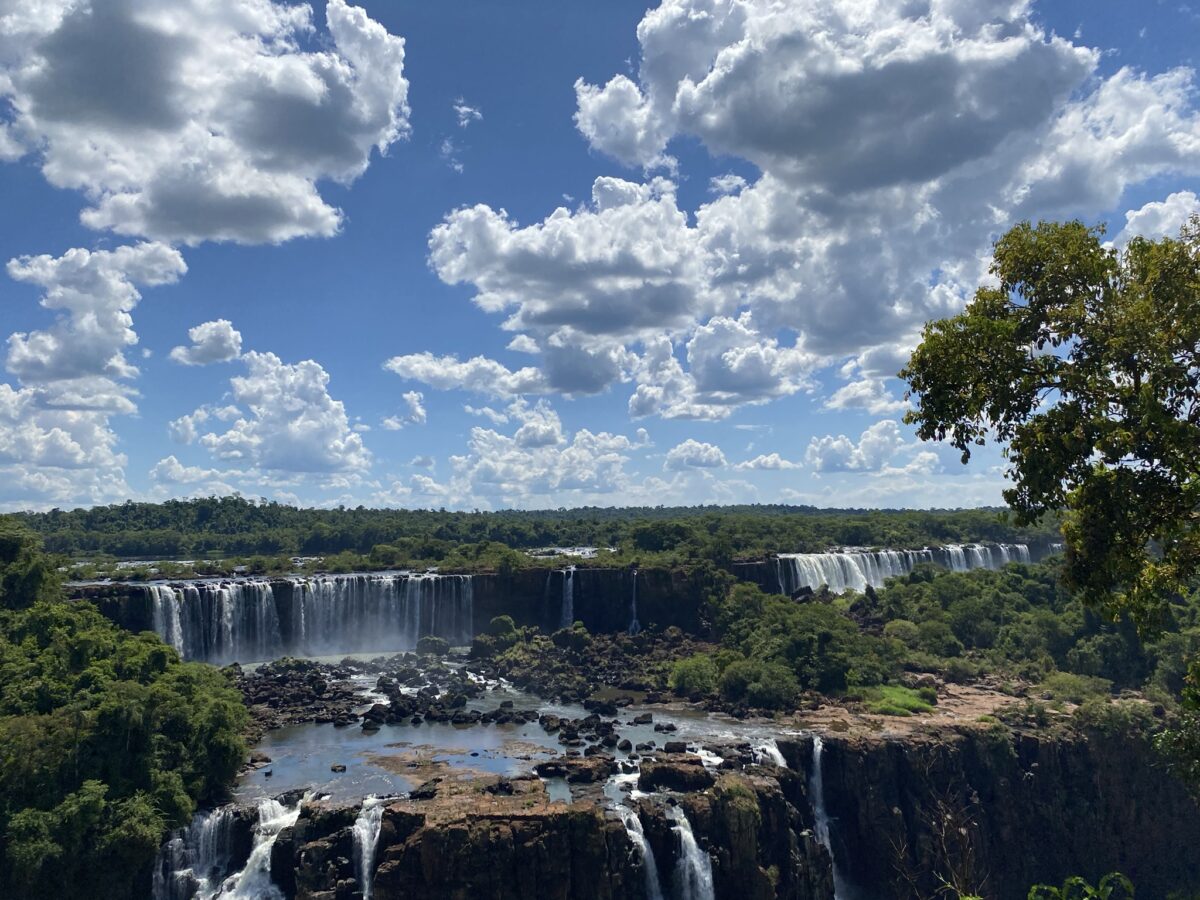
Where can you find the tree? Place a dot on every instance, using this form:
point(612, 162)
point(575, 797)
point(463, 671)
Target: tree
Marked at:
point(1084, 360)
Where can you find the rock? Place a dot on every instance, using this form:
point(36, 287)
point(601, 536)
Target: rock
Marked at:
point(337, 767)
point(675, 776)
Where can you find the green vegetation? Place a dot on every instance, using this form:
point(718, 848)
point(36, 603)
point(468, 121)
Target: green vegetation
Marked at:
point(264, 536)
point(106, 738)
point(897, 700)
point(1082, 361)
point(1113, 886)
point(694, 677)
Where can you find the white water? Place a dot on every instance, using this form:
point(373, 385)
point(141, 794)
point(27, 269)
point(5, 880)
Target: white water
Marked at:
point(634, 625)
point(853, 569)
point(568, 597)
point(816, 788)
point(770, 750)
point(252, 620)
point(366, 836)
point(195, 861)
point(633, 826)
point(254, 882)
point(693, 872)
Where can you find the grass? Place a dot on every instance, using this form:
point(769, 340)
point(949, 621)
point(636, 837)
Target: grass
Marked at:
point(896, 700)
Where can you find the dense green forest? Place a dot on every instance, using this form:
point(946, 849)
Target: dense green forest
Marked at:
point(233, 526)
point(106, 738)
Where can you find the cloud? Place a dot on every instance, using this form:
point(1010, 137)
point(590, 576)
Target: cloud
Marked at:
point(421, 462)
point(210, 123)
point(212, 342)
point(291, 423)
point(893, 143)
point(479, 375)
point(693, 454)
point(448, 151)
point(415, 415)
point(768, 462)
point(1159, 219)
point(493, 416)
point(465, 113)
point(79, 361)
point(875, 447)
point(57, 445)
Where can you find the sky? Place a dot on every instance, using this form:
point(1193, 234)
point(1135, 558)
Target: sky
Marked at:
point(555, 253)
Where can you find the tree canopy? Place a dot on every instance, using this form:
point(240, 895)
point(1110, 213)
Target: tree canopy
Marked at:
point(1083, 359)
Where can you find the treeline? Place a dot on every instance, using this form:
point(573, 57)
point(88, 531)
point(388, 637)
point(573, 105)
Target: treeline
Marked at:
point(107, 740)
point(235, 526)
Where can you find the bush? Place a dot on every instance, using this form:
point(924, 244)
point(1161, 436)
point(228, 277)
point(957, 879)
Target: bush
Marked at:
point(759, 683)
point(694, 677)
point(502, 626)
point(433, 646)
point(1075, 688)
point(896, 700)
point(904, 631)
point(937, 638)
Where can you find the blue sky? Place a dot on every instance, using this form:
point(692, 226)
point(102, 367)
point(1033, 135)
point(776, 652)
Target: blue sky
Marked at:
point(538, 254)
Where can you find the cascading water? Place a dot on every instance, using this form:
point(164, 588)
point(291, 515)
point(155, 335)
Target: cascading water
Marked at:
point(366, 836)
point(254, 882)
point(635, 626)
point(568, 598)
point(194, 862)
point(693, 872)
point(816, 789)
point(853, 569)
point(769, 750)
point(251, 620)
point(637, 836)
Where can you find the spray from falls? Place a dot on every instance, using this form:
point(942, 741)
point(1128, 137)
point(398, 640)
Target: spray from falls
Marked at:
point(568, 598)
point(853, 569)
point(693, 872)
point(366, 837)
point(251, 620)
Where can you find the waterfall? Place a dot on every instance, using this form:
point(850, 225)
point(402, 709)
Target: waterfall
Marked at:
point(693, 872)
point(254, 882)
point(816, 787)
point(568, 598)
point(249, 620)
point(366, 836)
point(852, 569)
point(634, 625)
point(770, 750)
point(196, 859)
point(637, 836)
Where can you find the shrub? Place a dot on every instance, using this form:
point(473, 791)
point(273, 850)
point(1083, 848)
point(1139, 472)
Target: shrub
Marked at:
point(1075, 688)
point(895, 700)
point(904, 631)
point(756, 682)
point(433, 646)
point(694, 677)
point(936, 637)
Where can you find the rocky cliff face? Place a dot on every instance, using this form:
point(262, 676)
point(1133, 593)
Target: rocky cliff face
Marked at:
point(995, 815)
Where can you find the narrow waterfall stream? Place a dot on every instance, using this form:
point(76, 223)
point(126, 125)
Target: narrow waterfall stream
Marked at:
point(633, 827)
point(634, 625)
point(366, 837)
point(693, 873)
point(816, 787)
point(568, 597)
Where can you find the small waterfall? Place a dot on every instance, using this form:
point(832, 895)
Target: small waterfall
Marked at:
point(195, 860)
point(254, 882)
point(568, 598)
point(693, 872)
point(637, 836)
point(366, 836)
point(252, 620)
point(816, 787)
point(635, 626)
point(770, 750)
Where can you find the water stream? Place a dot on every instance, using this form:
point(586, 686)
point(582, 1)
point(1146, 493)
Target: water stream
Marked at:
point(693, 872)
point(366, 837)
